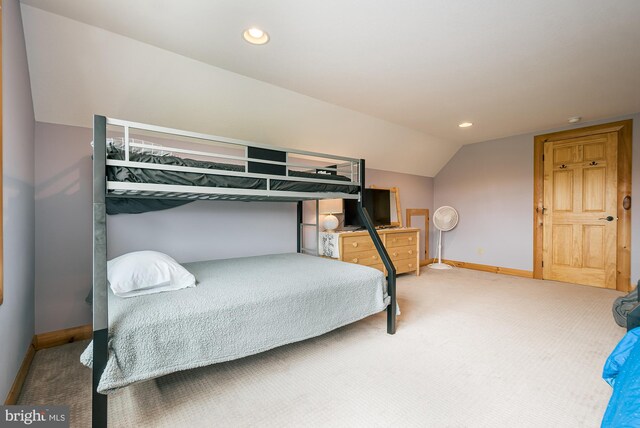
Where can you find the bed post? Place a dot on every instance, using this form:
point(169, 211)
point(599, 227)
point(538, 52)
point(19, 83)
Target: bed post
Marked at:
point(100, 301)
point(382, 251)
point(299, 220)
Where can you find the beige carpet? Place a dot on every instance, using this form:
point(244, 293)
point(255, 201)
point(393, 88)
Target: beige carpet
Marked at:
point(472, 349)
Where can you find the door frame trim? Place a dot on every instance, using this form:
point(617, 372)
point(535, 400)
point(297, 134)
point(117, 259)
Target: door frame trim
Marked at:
point(623, 245)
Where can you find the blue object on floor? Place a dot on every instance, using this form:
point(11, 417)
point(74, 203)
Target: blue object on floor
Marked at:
point(622, 372)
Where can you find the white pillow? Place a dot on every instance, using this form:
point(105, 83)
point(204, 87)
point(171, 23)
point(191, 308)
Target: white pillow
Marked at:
point(146, 272)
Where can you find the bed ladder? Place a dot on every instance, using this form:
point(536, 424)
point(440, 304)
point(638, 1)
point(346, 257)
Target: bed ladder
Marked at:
point(302, 227)
point(365, 218)
point(366, 221)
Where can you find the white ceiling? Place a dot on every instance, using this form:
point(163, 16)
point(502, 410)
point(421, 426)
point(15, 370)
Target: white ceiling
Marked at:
point(508, 66)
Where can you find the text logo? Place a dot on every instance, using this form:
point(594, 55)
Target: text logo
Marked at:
point(34, 416)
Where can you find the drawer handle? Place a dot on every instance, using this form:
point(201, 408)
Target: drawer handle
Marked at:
point(374, 257)
point(395, 254)
point(355, 260)
point(410, 251)
point(411, 238)
point(355, 244)
point(410, 265)
point(394, 240)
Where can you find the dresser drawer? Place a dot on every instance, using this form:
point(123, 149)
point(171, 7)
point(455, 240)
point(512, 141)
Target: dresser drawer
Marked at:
point(351, 244)
point(402, 253)
point(378, 266)
point(407, 265)
point(400, 239)
point(366, 258)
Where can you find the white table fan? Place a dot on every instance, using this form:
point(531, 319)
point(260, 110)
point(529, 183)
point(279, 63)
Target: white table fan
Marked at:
point(444, 219)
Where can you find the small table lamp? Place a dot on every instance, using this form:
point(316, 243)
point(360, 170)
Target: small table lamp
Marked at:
point(330, 207)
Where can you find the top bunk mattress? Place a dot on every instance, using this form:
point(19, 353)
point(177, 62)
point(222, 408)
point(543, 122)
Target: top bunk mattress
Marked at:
point(239, 307)
point(143, 175)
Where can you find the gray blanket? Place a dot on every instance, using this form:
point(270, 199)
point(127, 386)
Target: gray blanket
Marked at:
point(240, 307)
point(623, 305)
point(143, 175)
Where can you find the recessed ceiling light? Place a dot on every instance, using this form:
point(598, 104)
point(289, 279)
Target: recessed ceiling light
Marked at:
point(575, 119)
point(255, 36)
point(465, 124)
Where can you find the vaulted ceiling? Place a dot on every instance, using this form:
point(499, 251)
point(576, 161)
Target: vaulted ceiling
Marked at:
point(507, 66)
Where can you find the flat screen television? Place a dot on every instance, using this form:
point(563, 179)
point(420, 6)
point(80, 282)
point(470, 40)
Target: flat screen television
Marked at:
point(378, 204)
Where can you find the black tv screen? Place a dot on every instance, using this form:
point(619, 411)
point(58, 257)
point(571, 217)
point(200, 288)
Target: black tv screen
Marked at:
point(377, 203)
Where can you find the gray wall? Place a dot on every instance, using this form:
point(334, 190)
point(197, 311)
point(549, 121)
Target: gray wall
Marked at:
point(491, 185)
point(63, 226)
point(197, 231)
point(207, 230)
point(16, 313)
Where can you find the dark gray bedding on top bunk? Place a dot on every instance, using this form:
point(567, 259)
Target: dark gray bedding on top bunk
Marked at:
point(239, 307)
point(143, 175)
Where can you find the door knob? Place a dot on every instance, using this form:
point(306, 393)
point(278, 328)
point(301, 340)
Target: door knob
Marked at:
point(608, 218)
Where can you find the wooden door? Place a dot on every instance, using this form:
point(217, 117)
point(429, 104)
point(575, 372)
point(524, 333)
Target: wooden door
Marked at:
point(579, 214)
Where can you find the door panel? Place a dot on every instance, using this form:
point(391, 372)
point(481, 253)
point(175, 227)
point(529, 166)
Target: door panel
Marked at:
point(562, 155)
point(563, 190)
point(594, 189)
point(563, 250)
point(580, 191)
point(593, 246)
point(594, 151)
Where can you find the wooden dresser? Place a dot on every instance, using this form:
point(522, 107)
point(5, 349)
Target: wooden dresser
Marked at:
point(402, 244)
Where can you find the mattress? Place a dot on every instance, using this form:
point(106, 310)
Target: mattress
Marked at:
point(142, 175)
point(239, 307)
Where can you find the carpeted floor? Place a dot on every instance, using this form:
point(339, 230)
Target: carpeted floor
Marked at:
point(473, 349)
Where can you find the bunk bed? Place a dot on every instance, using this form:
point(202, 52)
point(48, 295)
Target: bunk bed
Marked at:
point(133, 176)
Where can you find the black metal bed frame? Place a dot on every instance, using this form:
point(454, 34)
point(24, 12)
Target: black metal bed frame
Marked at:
point(100, 299)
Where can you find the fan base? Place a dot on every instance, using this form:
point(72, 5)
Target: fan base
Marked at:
point(440, 266)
